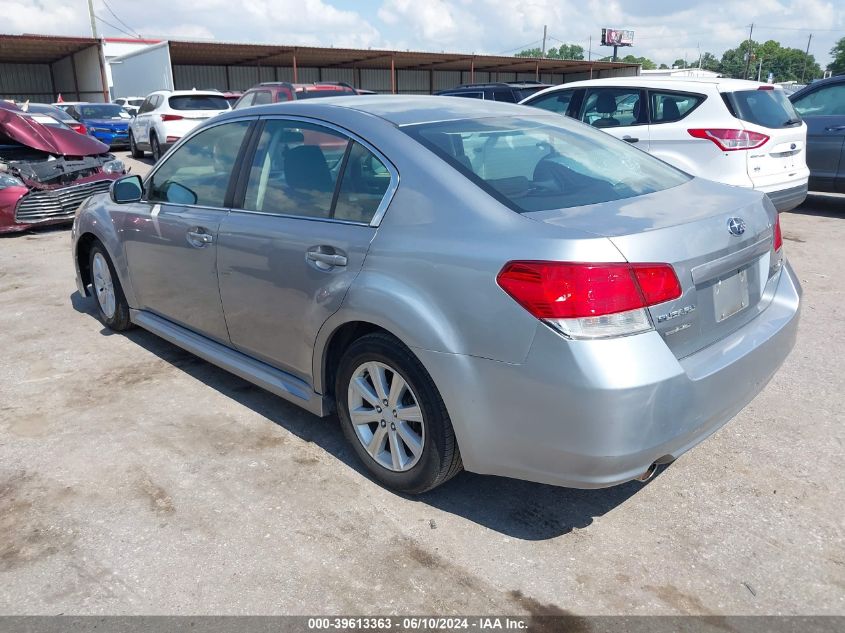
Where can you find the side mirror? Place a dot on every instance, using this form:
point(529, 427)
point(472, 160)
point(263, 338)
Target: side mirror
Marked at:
point(127, 189)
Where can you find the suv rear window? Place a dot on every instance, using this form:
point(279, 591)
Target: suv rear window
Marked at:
point(313, 94)
point(199, 102)
point(524, 93)
point(545, 162)
point(769, 108)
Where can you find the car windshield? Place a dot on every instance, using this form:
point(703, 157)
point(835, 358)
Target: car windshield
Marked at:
point(103, 111)
point(769, 108)
point(541, 163)
point(199, 102)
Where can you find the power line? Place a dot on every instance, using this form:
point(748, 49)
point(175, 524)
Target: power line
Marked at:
point(116, 28)
point(520, 48)
point(116, 17)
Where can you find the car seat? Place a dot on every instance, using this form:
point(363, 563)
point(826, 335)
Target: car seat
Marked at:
point(606, 106)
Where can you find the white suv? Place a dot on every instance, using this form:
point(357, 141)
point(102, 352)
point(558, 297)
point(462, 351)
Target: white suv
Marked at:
point(167, 115)
point(737, 132)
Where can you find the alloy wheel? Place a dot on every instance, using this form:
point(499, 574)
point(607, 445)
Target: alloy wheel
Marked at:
point(103, 285)
point(386, 416)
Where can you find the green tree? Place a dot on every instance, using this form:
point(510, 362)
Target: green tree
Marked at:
point(837, 66)
point(679, 63)
point(710, 62)
point(664, 67)
point(564, 51)
point(786, 64)
point(645, 62)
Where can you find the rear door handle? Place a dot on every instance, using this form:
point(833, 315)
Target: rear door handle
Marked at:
point(329, 259)
point(630, 139)
point(835, 128)
point(199, 237)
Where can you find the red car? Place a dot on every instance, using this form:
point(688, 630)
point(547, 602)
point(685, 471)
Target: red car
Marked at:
point(46, 172)
point(275, 91)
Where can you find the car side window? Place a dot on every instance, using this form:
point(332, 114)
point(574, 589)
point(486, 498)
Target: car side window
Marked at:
point(364, 182)
point(245, 101)
point(146, 106)
point(672, 106)
point(554, 102)
point(261, 97)
point(827, 101)
point(295, 169)
point(467, 95)
point(199, 171)
point(503, 95)
point(613, 107)
point(73, 112)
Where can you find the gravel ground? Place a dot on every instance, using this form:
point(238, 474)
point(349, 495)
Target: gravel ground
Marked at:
point(138, 479)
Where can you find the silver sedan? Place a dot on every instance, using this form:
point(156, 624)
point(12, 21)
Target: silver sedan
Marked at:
point(467, 284)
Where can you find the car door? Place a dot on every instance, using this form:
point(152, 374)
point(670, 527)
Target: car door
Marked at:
point(170, 238)
point(140, 124)
point(308, 205)
point(824, 112)
point(618, 111)
point(668, 136)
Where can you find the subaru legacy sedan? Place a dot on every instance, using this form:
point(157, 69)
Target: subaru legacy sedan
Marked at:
point(467, 284)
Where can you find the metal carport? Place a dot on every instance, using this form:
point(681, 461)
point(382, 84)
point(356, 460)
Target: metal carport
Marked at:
point(40, 67)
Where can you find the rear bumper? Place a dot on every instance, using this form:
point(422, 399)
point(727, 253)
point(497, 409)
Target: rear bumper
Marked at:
point(788, 199)
point(591, 414)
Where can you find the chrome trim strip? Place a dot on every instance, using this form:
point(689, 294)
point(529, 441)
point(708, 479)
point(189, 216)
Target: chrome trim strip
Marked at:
point(709, 270)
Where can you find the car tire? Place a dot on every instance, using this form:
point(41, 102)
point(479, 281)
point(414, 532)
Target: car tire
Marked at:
point(155, 147)
point(108, 293)
point(390, 435)
point(133, 148)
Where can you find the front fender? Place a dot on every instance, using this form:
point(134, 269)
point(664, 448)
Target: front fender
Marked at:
point(93, 218)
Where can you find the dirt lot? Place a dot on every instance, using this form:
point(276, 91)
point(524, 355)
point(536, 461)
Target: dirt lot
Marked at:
point(135, 478)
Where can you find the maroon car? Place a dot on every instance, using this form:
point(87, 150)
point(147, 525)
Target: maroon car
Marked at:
point(47, 171)
point(275, 91)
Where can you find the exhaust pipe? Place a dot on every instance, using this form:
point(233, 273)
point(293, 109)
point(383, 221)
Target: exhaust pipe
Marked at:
point(648, 474)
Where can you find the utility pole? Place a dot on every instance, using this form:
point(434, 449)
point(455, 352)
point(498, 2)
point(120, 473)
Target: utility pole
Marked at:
point(748, 52)
point(760, 69)
point(699, 55)
point(93, 20)
point(543, 53)
point(590, 50)
point(806, 56)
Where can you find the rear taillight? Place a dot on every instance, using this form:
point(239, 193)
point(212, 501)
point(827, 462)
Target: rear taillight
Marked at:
point(171, 117)
point(778, 242)
point(80, 128)
point(586, 300)
point(731, 140)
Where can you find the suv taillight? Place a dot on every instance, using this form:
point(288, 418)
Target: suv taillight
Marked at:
point(171, 117)
point(731, 140)
point(586, 300)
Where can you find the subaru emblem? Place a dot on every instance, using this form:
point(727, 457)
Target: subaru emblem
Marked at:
point(736, 226)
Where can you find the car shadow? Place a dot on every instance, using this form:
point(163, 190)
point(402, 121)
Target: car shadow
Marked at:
point(824, 205)
point(518, 509)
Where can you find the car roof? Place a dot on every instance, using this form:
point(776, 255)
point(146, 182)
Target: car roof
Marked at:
point(723, 84)
point(398, 109)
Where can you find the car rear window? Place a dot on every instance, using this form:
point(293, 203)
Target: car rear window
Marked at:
point(769, 108)
point(103, 111)
point(545, 162)
point(198, 102)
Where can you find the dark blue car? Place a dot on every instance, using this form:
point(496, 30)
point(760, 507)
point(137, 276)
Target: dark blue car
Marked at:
point(107, 122)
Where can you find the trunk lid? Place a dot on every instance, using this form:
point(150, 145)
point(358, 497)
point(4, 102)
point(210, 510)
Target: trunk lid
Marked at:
point(25, 130)
point(725, 277)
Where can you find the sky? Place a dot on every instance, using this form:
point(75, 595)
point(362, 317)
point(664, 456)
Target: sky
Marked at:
point(665, 30)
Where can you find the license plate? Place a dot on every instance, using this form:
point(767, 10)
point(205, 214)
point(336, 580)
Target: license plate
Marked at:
point(731, 295)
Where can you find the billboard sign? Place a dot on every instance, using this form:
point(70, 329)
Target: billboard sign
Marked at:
point(617, 37)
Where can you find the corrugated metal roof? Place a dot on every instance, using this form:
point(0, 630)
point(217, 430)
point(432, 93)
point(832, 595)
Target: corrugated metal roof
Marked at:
point(234, 54)
point(41, 49)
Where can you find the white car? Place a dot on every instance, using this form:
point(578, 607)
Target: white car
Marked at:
point(130, 104)
point(168, 115)
point(737, 132)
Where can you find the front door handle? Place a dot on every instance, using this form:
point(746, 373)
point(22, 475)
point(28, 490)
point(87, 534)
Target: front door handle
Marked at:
point(199, 237)
point(630, 139)
point(327, 259)
point(835, 128)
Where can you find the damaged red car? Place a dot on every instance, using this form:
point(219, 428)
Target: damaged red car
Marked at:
point(46, 172)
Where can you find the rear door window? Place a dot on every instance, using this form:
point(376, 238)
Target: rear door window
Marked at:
point(362, 188)
point(767, 108)
point(554, 102)
point(245, 101)
point(295, 169)
point(613, 107)
point(672, 106)
point(827, 101)
point(198, 102)
point(262, 97)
